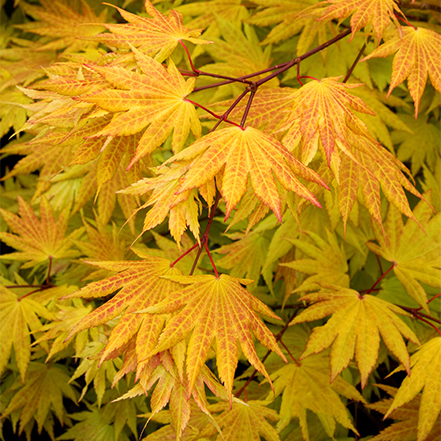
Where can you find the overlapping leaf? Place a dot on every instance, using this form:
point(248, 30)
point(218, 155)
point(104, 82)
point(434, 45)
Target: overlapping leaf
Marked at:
point(322, 118)
point(140, 286)
point(42, 394)
point(426, 365)
point(354, 329)
point(215, 308)
point(406, 429)
point(244, 421)
point(235, 153)
point(38, 240)
point(417, 57)
point(157, 36)
point(378, 13)
point(413, 250)
point(306, 387)
point(155, 98)
point(327, 262)
point(57, 19)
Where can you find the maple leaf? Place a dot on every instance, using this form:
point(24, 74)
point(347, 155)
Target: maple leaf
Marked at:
point(19, 315)
point(172, 388)
point(424, 133)
point(354, 329)
point(239, 52)
point(134, 280)
point(42, 394)
point(105, 423)
point(183, 209)
point(137, 102)
point(414, 252)
point(379, 13)
point(416, 58)
point(407, 428)
point(157, 36)
point(38, 240)
point(286, 15)
point(245, 152)
point(322, 118)
point(426, 365)
point(215, 308)
point(54, 18)
point(244, 421)
point(306, 387)
point(328, 262)
point(245, 256)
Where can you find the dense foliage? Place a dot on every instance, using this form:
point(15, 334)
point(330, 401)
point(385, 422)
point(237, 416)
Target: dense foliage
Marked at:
point(223, 220)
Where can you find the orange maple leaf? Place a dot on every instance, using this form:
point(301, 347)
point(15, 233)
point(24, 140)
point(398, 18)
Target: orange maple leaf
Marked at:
point(157, 36)
point(379, 13)
point(140, 287)
point(418, 55)
point(137, 102)
point(235, 153)
point(38, 240)
point(215, 308)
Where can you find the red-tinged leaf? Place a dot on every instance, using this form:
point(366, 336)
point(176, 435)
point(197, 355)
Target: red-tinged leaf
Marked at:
point(379, 13)
point(413, 249)
point(138, 102)
point(157, 36)
point(38, 240)
point(426, 365)
point(140, 285)
point(236, 153)
point(354, 329)
point(307, 387)
point(215, 308)
point(416, 58)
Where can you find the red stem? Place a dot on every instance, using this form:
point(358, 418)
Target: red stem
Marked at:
point(211, 260)
point(212, 113)
point(189, 59)
point(405, 21)
point(434, 297)
point(430, 324)
point(183, 255)
point(294, 359)
point(381, 278)
point(354, 64)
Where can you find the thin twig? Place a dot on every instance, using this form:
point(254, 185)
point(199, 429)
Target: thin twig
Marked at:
point(357, 59)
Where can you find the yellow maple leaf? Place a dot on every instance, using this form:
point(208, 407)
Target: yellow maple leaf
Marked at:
point(414, 252)
point(215, 308)
point(19, 315)
point(307, 387)
point(134, 279)
point(327, 261)
point(354, 329)
point(38, 240)
point(417, 56)
point(57, 19)
point(407, 414)
point(379, 13)
point(157, 36)
point(42, 394)
point(235, 153)
point(137, 102)
point(426, 366)
point(244, 421)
